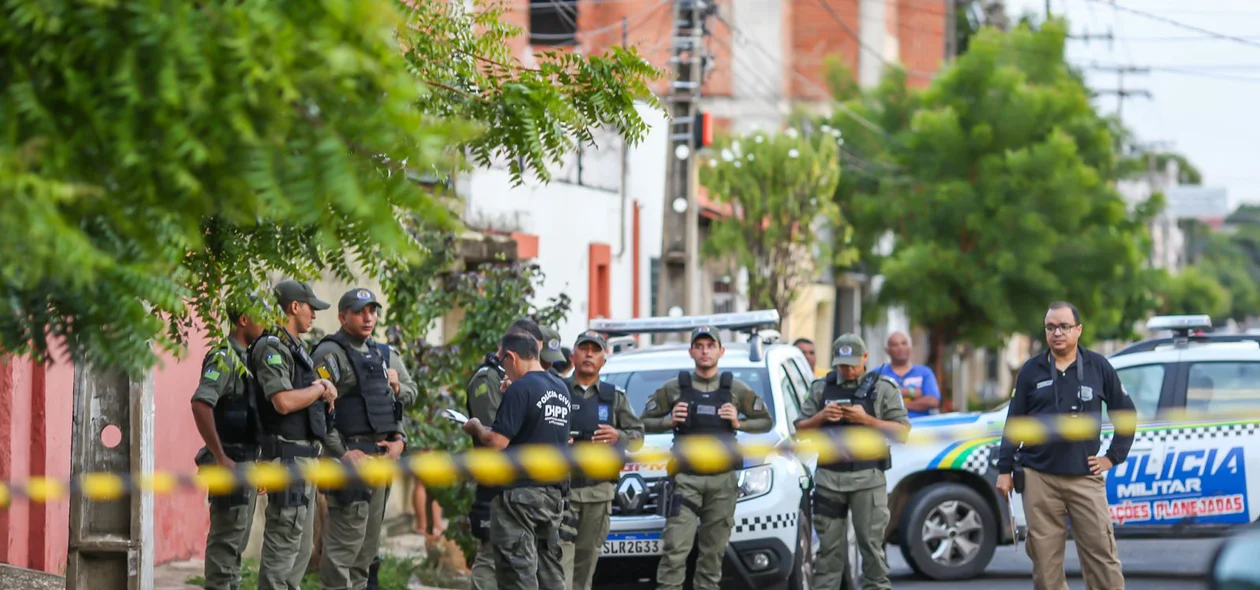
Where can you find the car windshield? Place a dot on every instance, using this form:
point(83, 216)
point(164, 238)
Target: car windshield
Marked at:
point(640, 385)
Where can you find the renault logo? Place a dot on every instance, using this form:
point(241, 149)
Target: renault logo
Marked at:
point(631, 493)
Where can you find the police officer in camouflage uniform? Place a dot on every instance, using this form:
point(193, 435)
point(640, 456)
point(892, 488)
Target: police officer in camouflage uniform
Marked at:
point(525, 517)
point(223, 408)
point(702, 402)
point(601, 414)
point(373, 385)
point(293, 403)
point(851, 397)
point(483, 395)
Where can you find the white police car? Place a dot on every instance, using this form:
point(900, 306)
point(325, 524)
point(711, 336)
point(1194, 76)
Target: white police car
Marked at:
point(772, 542)
point(1185, 475)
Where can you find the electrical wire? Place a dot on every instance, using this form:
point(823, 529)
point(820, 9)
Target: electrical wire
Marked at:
point(1177, 23)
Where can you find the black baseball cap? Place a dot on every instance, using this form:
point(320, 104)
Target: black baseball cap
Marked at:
point(357, 299)
point(593, 337)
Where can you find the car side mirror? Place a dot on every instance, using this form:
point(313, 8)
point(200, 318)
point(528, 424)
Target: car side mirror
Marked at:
point(1235, 567)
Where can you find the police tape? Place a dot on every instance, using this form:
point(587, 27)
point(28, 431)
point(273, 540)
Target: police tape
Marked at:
point(546, 464)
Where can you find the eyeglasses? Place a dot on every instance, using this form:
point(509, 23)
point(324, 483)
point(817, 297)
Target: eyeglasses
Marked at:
point(1052, 328)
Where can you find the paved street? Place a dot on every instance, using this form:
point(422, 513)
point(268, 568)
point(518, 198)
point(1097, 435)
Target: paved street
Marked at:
point(1148, 565)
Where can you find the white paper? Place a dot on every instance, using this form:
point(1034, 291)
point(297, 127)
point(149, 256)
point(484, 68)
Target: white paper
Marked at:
point(453, 415)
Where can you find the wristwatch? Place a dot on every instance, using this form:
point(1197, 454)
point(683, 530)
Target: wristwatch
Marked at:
point(399, 437)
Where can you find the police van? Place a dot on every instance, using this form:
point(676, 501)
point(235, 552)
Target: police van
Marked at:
point(772, 541)
point(1194, 461)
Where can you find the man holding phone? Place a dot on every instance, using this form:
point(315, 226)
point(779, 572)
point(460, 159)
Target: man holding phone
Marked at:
point(851, 397)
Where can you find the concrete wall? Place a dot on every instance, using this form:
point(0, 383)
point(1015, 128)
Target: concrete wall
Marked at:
point(35, 423)
point(568, 218)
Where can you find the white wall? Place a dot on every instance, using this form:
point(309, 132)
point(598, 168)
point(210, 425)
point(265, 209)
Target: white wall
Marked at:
point(568, 217)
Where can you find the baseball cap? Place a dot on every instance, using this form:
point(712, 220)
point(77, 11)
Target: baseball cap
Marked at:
point(847, 350)
point(357, 299)
point(706, 332)
point(290, 290)
point(551, 346)
point(591, 336)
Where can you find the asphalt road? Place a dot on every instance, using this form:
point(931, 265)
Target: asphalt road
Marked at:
point(1148, 565)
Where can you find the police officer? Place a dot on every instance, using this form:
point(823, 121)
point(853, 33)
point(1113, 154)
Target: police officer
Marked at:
point(552, 353)
point(702, 402)
point(373, 385)
point(525, 516)
point(293, 405)
point(601, 414)
point(483, 395)
point(851, 397)
point(223, 407)
point(1067, 479)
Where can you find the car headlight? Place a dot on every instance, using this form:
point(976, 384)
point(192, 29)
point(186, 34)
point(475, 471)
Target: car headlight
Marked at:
point(755, 482)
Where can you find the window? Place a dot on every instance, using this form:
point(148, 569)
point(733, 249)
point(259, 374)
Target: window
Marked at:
point(1223, 387)
point(654, 273)
point(791, 393)
point(1144, 384)
point(553, 22)
point(802, 380)
point(641, 385)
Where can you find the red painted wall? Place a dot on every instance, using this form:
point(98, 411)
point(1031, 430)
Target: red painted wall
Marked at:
point(36, 406)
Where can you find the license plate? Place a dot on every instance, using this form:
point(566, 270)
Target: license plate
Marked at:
point(632, 544)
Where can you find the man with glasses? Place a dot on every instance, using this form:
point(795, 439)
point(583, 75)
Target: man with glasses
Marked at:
point(1065, 479)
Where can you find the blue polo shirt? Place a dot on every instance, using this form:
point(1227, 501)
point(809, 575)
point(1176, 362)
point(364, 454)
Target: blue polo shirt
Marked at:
point(920, 378)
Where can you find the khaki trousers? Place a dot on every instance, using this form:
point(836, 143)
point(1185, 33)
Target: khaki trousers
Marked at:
point(1049, 501)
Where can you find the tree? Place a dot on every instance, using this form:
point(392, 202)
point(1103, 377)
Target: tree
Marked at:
point(779, 188)
point(159, 160)
point(994, 183)
point(1192, 291)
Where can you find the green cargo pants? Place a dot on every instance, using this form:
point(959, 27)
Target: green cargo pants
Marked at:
point(352, 537)
point(581, 554)
point(709, 502)
point(525, 530)
point(226, 540)
point(288, 536)
point(869, 508)
point(483, 577)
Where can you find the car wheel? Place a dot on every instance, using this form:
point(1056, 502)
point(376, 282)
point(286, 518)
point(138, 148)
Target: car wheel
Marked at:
point(802, 576)
point(948, 532)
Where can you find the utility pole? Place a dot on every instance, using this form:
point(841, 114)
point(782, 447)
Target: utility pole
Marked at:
point(1120, 91)
point(951, 31)
point(679, 287)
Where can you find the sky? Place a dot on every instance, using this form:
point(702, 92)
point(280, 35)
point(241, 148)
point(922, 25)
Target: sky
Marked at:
point(1208, 108)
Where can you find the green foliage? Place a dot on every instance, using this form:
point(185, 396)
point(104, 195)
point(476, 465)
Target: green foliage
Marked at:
point(779, 187)
point(489, 298)
point(1193, 291)
point(160, 161)
point(535, 114)
point(1231, 261)
point(1137, 165)
point(994, 183)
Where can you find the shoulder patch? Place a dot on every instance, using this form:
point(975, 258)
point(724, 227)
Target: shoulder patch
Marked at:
point(212, 374)
point(651, 405)
point(482, 388)
point(758, 404)
point(275, 360)
point(618, 389)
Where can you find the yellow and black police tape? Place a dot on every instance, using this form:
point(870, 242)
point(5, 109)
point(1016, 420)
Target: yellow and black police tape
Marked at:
point(549, 464)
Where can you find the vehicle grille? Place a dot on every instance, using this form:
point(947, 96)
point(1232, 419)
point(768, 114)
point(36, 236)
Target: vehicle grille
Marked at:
point(648, 505)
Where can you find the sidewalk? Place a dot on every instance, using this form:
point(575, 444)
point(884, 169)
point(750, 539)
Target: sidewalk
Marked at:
point(173, 576)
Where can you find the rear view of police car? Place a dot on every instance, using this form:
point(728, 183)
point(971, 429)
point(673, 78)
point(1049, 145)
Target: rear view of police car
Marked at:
point(772, 540)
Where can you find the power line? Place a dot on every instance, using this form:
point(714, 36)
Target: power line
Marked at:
point(1177, 23)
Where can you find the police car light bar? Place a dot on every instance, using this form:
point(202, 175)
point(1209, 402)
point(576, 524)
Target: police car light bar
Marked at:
point(656, 325)
point(1179, 323)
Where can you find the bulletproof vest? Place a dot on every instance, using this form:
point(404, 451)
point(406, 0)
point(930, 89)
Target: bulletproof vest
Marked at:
point(863, 394)
point(586, 414)
point(369, 407)
point(702, 407)
point(235, 418)
point(306, 424)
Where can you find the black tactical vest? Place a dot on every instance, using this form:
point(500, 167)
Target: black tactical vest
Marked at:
point(585, 416)
point(306, 424)
point(235, 418)
point(702, 407)
point(369, 407)
point(863, 395)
